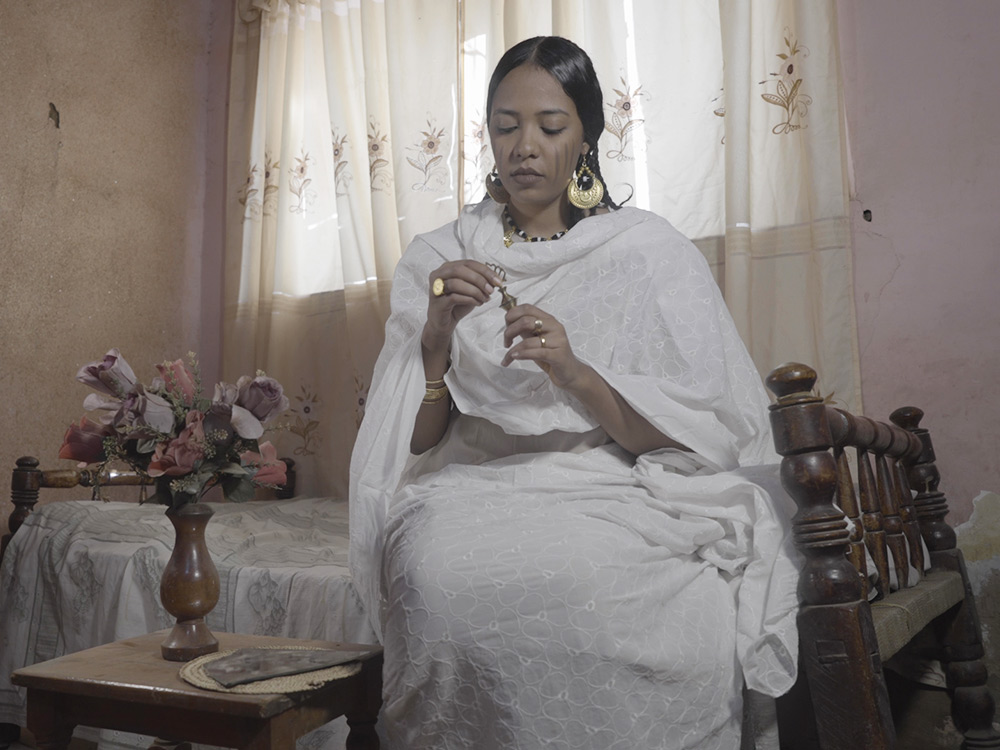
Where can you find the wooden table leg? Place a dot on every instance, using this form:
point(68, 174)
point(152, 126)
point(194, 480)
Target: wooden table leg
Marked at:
point(9, 734)
point(277, 733)
point(46, 723)
point(362, 717)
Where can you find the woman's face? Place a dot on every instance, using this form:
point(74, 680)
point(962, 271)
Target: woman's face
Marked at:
point(537, 138)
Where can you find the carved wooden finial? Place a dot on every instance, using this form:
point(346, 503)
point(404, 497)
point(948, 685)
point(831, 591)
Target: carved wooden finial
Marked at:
point(791, 379)
point(907, 417)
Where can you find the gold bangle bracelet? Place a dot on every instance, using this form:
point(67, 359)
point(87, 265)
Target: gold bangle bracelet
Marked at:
point(434, 395)
point(435, 383)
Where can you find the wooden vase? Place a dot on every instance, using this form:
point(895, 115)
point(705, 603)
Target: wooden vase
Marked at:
point(189, 588)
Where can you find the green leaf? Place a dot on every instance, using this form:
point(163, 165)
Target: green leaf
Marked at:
point(237, 489)
point(190, 484)
point(145, 446)
point(160, 497)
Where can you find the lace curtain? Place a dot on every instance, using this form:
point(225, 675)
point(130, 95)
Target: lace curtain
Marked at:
point(356, 124)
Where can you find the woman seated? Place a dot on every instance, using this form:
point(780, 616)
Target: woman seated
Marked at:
point(555, 522)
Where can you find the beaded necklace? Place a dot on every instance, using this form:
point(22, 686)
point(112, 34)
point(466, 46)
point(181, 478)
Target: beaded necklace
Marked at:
point(508, 236)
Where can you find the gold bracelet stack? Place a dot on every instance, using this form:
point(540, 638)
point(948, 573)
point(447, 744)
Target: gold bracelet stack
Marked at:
point(436, 391)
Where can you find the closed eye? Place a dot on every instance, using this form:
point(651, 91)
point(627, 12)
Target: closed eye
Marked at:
point(505, 131)
point(552, 131)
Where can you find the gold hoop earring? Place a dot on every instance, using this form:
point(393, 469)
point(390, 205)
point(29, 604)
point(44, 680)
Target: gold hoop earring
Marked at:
point(495, 188)
point(585, 198)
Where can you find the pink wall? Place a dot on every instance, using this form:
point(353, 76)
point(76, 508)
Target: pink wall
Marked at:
point(924, 118)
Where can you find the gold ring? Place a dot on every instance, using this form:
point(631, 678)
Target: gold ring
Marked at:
point(538, 326)
point(541, 340)
point(438, 287)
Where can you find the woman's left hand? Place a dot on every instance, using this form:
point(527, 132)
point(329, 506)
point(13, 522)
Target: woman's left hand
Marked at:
point(542, 341)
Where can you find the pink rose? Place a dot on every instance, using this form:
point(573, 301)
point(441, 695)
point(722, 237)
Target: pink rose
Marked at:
point(270, 469)
point(112, 375)
point(179, 380)
point(180, 456)
point(85, 442)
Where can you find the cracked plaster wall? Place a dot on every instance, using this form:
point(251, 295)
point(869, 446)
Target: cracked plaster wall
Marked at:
point(925, 146)
point(110, 223)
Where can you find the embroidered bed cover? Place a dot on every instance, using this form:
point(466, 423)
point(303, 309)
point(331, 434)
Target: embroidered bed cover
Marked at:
point(534, 584)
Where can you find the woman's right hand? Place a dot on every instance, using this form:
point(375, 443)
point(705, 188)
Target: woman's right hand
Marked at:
point(467, 284)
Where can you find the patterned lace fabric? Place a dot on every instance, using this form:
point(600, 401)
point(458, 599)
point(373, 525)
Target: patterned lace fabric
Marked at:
point(542, 587)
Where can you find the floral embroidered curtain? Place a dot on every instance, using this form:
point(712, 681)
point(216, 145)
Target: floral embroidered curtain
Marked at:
point(355, 125)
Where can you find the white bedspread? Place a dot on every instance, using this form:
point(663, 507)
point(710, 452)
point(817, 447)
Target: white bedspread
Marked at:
point(82, 573)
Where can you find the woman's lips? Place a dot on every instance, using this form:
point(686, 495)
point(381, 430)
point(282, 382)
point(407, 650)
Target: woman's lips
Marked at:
point(526, 178)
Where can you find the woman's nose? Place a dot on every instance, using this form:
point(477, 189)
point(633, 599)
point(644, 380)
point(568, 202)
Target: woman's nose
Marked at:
point(527, 144)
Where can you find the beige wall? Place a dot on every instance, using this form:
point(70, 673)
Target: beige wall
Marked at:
point(110, 224)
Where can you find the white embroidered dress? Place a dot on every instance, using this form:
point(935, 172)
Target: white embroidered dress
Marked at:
point(534, 584)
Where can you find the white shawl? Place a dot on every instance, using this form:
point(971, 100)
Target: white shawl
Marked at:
point(639, 305)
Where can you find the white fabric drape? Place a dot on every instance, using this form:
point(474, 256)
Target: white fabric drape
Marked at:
point(355, 125)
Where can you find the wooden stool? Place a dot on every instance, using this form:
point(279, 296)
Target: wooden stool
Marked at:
point(129, 687)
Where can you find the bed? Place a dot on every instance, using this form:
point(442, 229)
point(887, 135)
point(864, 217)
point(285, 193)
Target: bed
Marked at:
point(80, 573)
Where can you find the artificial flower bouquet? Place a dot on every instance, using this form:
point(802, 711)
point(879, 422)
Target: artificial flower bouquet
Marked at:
point(168, 431)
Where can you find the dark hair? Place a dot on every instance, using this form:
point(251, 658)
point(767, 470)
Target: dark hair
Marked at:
point(572, 67)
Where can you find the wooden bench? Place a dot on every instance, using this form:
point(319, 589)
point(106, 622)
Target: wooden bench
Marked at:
point(850, 621)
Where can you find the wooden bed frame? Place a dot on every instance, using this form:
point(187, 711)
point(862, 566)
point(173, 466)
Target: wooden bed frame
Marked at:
point(841, 699)
point(27, 480)
point(848, 622)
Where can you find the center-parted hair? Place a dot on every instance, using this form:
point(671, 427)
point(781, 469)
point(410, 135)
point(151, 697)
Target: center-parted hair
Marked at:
point(572, 67)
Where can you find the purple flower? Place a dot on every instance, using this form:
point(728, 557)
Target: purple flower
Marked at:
point(225, 409)
point(261, 396)
point(112, 375)
point(142, 411)
point(225, 393)
point(219, 423)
